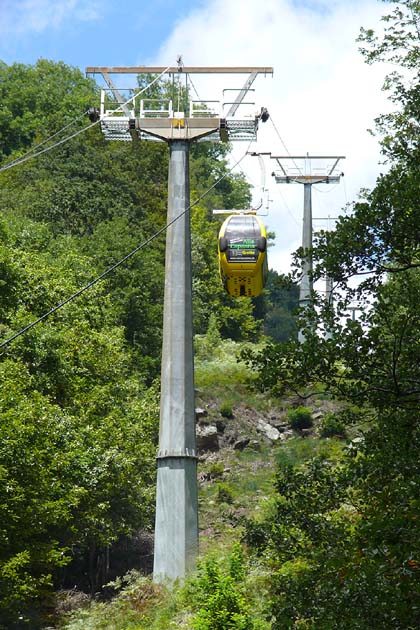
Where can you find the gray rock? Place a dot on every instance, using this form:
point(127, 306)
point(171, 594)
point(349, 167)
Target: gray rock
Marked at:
point(207, 438)
point(306, 432)
point(267, 430)
point(280, 425)
point(240, 444)
point(286, 435)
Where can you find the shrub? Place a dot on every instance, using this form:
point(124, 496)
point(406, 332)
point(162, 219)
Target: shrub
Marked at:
point(226, 409)
point(300, 418)
point(218, 595)
point(332, 426)
point(216, 469)
point(224, 493)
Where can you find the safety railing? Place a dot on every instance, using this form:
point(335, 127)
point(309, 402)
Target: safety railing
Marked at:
point(204, 109)
point(156, 108)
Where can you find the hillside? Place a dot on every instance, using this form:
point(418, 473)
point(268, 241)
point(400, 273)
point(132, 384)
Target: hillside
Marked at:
point(242, 437)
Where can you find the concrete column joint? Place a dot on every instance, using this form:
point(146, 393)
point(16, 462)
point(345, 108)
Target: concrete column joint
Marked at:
point(187, 453)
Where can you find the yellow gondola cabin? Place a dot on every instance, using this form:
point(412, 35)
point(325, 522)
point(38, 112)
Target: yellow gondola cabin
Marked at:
point(242, 251)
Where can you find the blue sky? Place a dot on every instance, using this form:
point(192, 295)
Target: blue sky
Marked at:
point(84, 33)
point(322, 98)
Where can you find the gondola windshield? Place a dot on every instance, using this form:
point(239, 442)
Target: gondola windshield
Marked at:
point(242, 255)
point(241, 234)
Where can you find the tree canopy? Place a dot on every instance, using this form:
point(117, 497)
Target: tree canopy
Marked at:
point(80, 391)
point(342, 542)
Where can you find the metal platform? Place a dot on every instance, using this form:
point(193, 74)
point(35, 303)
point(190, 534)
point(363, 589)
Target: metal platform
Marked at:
point(123, 128)
point(245, 129)
point(116, 129)
point(155, 120)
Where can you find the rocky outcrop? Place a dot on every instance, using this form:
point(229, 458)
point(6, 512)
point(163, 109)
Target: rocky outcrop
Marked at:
point(207, 438)
point(245, 429)
point(248, 427)
point(270, 432)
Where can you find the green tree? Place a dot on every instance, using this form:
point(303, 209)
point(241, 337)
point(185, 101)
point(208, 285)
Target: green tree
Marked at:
point(350, 559)
point(79, 402)
point(78, 425)
point(37, 101)
point(281, 299)
point(217, 595)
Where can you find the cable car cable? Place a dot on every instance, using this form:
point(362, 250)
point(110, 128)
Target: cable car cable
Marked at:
point(27, 157)
point(285, 147)
point(90, 284)
point(194, 88)
point(57, 144)
point(288, 209)
point(37, 146)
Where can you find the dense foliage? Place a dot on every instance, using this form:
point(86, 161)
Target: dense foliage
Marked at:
point(343, 543)
point(79, 392)
point(339, 543)
point(218, 596)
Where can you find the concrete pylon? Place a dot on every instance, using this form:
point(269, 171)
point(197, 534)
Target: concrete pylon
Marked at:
point(286, 176)
point(329, 285)
point(306, 283)
point(176, 532)
point(176, 529)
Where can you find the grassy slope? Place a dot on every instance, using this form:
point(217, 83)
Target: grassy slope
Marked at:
point(235, 484)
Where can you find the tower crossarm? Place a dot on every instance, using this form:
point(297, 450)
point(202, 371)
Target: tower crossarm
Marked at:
point(306, 179)
point(307, 169)
point(202, 120)
point(266, 70)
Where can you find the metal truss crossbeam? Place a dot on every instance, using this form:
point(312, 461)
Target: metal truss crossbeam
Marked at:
point(179, 69)
point(214, 129)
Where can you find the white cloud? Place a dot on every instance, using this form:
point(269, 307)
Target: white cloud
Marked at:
point(322, 97)
point(36, 16)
